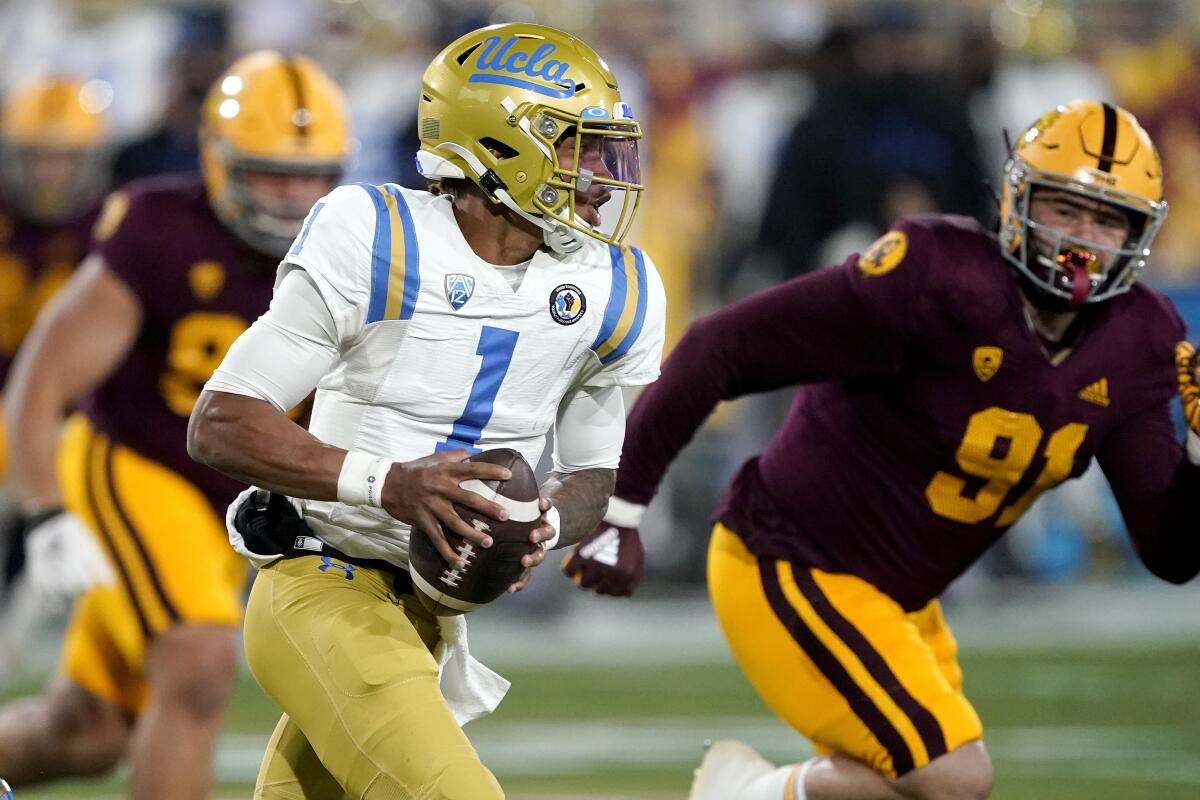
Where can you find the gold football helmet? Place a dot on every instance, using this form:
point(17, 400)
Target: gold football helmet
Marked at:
point(53, 149)
point(275, 114)
point(497, 102)
point(1098, 151)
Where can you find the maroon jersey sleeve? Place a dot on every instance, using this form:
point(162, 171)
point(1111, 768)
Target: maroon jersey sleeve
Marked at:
point(1154, 483)
point(121, 237)
point(853, 320)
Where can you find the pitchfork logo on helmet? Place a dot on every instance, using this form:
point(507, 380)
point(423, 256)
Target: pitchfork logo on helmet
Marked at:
point(1099, 152)
point(495, 106)
point(270, 113)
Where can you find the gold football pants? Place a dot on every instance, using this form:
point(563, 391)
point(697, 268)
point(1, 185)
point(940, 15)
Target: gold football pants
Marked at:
point(840, 661)
point(351, 665)
point(169, 553)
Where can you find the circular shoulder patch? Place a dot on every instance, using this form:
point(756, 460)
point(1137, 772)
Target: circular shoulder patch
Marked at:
point(885, 255)
point(567, 304)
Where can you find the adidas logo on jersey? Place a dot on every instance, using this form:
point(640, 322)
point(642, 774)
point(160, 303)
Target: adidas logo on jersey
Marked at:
point(605, 548)
point(1096, 393)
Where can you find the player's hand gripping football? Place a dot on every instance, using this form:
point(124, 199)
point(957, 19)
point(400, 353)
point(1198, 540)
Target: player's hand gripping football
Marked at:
point(63, 558)
point(422, 493)
point(610, 560)
point(1189, 395)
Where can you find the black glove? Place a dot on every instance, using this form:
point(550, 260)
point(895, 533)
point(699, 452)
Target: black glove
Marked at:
point(269, 526)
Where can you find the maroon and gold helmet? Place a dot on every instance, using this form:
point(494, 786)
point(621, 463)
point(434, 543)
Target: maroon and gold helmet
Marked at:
point(1097, 151)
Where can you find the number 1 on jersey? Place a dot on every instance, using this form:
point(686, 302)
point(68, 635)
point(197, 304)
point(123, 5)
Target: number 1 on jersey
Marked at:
point(496, 347)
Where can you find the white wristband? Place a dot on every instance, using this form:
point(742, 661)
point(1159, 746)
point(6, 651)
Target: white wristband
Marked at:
point(623, 513)
point(360, 483)
point(555, 519)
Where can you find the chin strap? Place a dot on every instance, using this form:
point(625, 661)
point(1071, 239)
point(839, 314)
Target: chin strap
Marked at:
point(559, 237)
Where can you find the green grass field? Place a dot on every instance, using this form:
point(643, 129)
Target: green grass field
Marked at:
point(1090, 722)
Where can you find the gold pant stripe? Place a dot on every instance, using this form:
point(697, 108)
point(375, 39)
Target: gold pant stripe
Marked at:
point(93, 509)
point(858, 692)
point(127, 529)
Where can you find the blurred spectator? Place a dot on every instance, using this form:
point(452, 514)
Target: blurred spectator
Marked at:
point(171, 146)
point(882, 139)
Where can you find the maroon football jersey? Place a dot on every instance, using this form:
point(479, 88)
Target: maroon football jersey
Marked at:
point(35, 261)
point(929, 416)
point(200, 286)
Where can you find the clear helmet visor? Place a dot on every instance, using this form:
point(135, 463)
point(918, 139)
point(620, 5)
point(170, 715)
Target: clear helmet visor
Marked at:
point(598, 182)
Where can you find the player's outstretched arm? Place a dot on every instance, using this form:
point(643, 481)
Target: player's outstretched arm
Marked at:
point(76, 343)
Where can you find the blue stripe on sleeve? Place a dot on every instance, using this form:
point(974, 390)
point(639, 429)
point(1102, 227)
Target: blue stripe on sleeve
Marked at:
point(616, 298)
point(412, 261)
point(639, 316)
point(381, 256)
point(308, 223)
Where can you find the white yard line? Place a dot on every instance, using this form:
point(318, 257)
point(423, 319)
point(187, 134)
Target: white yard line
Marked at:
point(580, 748)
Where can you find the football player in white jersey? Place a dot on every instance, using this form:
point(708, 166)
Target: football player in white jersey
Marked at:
point(433, 325)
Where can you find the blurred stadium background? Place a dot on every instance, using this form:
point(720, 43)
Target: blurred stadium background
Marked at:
point(781, 135)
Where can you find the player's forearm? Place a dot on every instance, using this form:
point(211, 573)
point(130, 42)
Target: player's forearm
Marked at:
point(250, 440)
point(1163, 526)
point(34, 413)
point(581, 498)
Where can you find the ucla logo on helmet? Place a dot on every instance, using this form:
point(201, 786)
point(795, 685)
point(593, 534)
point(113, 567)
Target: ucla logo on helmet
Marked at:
point(567, 304)
point(459, 288)
point(496, 57)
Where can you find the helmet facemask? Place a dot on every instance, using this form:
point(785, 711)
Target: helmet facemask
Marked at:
point(604, 167)
point(269, 226)
point(1069, 272)
point(85, 176)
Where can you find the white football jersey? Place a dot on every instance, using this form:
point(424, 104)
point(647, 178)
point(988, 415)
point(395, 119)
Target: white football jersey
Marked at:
point(439, 352)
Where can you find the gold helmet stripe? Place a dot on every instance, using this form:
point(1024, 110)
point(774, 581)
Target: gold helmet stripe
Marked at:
point(301, 115)
point(1108, 144)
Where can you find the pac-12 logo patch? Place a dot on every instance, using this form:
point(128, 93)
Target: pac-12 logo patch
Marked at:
point(986, 362)
point(459, 288)
point(567, 304)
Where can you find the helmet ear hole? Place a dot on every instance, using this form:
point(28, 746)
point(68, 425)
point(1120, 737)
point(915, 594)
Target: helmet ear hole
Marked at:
point(498, 148)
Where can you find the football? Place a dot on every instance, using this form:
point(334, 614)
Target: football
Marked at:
point(446, 591)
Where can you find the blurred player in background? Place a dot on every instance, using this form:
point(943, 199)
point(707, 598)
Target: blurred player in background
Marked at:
point(948, 377)
point(481, 316)
point(53, 173)
point(180, 266)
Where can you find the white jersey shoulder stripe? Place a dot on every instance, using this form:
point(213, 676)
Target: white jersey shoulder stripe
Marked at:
point(626, 310)
point(395, 256)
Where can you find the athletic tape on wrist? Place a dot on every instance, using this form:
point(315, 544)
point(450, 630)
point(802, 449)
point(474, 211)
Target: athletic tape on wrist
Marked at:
point(555, 519)
point(623, 513)
point(360, 483)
